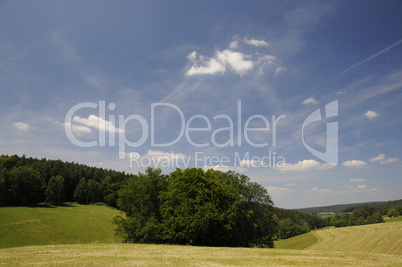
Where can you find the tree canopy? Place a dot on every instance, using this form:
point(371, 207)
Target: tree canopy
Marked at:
point(196, 207)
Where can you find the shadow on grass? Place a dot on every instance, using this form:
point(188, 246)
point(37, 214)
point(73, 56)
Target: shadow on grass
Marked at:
point(47, 205)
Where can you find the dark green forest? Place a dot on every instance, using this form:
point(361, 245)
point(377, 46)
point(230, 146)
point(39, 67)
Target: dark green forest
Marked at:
point(190, 206)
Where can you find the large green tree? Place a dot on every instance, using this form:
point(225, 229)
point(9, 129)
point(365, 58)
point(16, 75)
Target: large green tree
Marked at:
point(139, 199)
point(197, 207)
point(55, 190)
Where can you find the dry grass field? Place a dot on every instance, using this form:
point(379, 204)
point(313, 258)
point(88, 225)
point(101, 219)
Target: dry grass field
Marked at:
point(48, 236)
point(167, 255)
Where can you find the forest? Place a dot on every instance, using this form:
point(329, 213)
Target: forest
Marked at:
point(189, 206)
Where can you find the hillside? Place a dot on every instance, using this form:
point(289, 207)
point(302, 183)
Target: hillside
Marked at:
point(380, 205)
point(69, 224)
point(373, 238)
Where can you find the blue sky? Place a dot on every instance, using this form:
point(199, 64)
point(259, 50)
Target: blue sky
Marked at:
point(211, 60)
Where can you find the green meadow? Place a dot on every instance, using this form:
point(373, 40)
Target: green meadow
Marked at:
point(83, 235)
point(49, 225)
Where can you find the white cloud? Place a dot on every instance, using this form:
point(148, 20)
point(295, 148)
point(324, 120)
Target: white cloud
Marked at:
point(321, 190)
point(378, 158)
point(235, 60)
point(95, 122)
point(234, 44)
point(354, 163)
point(250, 163)
point(219, 63)
point(78, 129)
point(356, 180)
point(203, 66)
point(256, 42)
point(310, 100)
point(278, 189)
point(21, 126)
point(361, 186)
point(304, 165)
point(371, 114)
point(383, 160)
point(225, 168)
point(229, 59)
point(389, 160)
point(278, 70)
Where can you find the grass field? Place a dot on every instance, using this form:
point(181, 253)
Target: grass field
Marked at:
point(159, 255)
point(379, 238)
point(43, 235)
point(70, 224)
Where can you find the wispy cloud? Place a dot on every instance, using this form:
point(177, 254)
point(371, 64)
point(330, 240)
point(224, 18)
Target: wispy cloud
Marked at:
point(383, 159)
point(320, 190)
point(356, 180)
point(21, 126)
point(256, 42)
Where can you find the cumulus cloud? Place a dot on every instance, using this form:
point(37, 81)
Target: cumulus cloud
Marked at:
point(256, 42)
point(234, 60)
point(203, 66)
point(321, 190)
point(304, 165)
point(94, 122)
point(224, 168)
point(361, 186)
point(278, 189)
point(383, 160)
point(310, 100)
point(354, 163)
point(378, 158)
point(21, 126)
point(222, 60)
point(356, 180)
point(78, 129)
point(371, 114)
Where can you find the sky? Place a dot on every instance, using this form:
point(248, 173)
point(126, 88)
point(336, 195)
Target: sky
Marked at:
point(303, 97)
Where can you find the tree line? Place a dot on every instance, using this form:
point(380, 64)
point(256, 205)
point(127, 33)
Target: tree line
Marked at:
point(190, 206)
point(27, 181)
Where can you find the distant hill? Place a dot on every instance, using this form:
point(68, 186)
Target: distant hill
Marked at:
point(380, 205)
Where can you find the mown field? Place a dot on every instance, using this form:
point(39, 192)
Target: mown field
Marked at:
point(45, 225)
point(50, 235)
point(377, 238)
point(161, 255)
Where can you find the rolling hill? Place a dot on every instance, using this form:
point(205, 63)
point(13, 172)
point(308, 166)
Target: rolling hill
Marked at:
point(45, 225)
point(372, 238)
point(49, 235)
